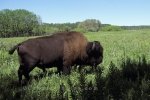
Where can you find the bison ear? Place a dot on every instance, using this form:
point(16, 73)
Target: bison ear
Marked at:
point(90, 47)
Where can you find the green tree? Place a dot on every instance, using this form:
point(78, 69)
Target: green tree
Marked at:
point(18, 22)
point(91, 25)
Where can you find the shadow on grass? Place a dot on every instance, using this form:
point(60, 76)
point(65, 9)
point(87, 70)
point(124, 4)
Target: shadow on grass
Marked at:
point(129, 81)
point(41, 75)
point(10, 89)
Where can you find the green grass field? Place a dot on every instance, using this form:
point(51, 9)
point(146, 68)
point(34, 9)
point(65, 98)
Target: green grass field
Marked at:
point(118, 46)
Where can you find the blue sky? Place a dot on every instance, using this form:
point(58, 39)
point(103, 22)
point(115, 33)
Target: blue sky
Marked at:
point(116, 12)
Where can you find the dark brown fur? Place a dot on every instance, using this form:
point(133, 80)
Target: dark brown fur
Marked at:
point(61, 50)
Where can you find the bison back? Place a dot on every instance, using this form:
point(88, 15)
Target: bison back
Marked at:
point(42, 51)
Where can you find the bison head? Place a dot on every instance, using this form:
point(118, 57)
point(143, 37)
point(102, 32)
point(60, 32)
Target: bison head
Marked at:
point(95, 53)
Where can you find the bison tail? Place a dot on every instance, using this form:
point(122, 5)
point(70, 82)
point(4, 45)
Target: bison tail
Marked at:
point(11, 51)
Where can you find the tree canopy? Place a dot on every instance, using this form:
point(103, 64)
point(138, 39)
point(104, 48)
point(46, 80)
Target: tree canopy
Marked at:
point(18, 22)
point(91, 25)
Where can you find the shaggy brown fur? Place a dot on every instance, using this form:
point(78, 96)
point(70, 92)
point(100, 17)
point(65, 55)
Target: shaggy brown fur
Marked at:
point(74, 48)
point(61, 50)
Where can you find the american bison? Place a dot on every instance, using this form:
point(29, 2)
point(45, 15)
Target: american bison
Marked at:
point(61, 50)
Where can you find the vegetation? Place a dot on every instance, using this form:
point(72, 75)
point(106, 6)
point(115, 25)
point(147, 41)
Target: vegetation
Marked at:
point(124, 73)
point(111, 28)
point(19, 23)
point(136, 27)
point(51, 28)
point(89, 25)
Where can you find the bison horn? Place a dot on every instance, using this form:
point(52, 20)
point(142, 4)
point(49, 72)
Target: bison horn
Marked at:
point(93, 46)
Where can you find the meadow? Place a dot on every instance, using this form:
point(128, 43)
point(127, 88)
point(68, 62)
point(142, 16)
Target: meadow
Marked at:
point(126, 56)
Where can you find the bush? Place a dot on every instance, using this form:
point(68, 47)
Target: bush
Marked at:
point(90, 25)
point(111, 28)
point(130, 82)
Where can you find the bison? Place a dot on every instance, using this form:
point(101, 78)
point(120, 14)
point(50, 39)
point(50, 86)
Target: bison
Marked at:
point(61, 50)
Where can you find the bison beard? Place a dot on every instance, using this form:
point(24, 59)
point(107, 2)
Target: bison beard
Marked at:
point(61, 50)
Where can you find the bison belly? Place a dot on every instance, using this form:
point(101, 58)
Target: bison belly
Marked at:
point(51, 54)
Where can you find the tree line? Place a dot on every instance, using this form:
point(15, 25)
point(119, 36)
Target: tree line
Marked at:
point(89, 25)
point(21, 22)
point(136, 27)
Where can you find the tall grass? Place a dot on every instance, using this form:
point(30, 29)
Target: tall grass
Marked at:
point(124, 73)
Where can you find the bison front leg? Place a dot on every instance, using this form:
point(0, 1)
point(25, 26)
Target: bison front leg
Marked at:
point(66, 66)
point(44, 70)
point(59, 69)
point(66, 70)
point(63, 69)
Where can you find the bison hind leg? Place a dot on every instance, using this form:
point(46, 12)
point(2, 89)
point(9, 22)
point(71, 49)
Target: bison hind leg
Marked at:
point(24, 70)
point(59, 70)
point(20, 73)
point(66, 70)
